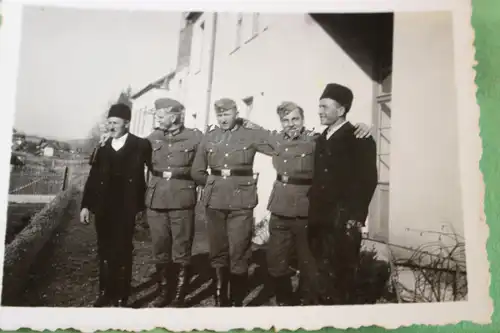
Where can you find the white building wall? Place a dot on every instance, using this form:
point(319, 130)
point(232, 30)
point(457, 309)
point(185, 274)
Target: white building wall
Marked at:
point(425, 184)
point(291, 58)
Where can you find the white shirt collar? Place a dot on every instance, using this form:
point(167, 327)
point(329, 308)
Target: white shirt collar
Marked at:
point(118, 143)
point(333, 129)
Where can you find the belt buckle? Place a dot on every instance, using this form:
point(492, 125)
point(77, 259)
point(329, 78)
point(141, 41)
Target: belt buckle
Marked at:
point(284, 178)
point(226, 172)
point(167, 175)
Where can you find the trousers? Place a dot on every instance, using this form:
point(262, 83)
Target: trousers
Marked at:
point(230, 238)
point(115, 251)
point(172, 233)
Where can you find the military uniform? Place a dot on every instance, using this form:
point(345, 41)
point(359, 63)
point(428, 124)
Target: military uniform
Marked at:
point(229, 195)
point(289, 204)
point(170, 202)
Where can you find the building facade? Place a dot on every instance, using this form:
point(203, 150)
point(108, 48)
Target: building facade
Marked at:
point(262, 59)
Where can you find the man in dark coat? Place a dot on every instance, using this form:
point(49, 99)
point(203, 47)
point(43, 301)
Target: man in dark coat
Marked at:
point(345, 178)
point(114, 193)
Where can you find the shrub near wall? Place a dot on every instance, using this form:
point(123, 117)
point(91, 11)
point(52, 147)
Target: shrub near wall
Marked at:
point(22, 252)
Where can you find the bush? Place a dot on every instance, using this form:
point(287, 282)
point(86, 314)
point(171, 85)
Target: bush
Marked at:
point(372, 280)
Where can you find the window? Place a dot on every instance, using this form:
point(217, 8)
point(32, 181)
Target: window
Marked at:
point(200, 46)
point(255, 24)
point(239, 30)
point(378, 226)
point(249, 106)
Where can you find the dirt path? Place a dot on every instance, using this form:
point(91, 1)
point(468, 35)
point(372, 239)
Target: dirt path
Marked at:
point(66, 274)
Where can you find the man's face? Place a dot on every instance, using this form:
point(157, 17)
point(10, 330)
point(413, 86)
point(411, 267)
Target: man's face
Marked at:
point(227, 118)
point(292, 123)
point(117, 127)
point(163, 119)
point(330, 111)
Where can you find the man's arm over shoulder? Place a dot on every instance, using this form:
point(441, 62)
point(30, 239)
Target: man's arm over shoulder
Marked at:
point(365, 178)
point(264, 139)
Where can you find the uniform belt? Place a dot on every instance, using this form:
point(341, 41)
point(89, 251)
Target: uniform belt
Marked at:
point(294, 181)
point(170, 175)
point(229, 172)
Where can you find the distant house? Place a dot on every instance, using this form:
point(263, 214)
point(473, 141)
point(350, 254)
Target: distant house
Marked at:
point(48, 151)
point(143, 104)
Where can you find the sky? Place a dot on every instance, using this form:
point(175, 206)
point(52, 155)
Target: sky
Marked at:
point(73, 62)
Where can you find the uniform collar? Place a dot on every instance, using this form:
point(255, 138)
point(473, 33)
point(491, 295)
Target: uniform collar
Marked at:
point(171, 133)
point(176, 131)
point(286, 136)
point(234, 129)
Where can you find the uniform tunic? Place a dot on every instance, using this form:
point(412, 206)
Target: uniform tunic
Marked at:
point(171, 194)
point(289, 204)
point(230, 191)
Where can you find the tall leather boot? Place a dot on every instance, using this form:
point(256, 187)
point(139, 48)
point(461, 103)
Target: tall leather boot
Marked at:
point(221, 287)
point(238, 289)
point(166, 285)
point(104, 299)
point(283, 290)
point(182, 282)
point(157, 273)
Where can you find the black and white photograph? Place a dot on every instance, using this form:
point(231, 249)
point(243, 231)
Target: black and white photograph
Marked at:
point(255, 163)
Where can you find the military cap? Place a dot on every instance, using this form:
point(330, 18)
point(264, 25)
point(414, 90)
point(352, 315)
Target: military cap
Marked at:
point(169, 103)
point(120, 111)
point(338, 93)
point(286, 107)
point(224, 104)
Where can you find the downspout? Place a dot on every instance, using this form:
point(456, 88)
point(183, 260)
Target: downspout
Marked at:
point(210, 71)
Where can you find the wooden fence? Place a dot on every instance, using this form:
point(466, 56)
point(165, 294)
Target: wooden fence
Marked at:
point(34, 182)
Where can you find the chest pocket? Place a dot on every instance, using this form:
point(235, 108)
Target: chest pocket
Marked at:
point(211, 153)
point(305, 157)
point(242, 153)
point(182, 153)
point(157, 150)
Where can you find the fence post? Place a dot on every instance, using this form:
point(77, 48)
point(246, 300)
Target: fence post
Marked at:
point(65, 179)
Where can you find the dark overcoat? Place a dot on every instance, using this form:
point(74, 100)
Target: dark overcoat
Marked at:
point(345, 178)
point(97, 191)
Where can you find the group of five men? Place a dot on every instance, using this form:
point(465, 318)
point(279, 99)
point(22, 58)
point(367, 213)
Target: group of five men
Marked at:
point(318, 203)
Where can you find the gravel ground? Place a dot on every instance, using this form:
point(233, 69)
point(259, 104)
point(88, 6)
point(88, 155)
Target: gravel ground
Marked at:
point(66, 274)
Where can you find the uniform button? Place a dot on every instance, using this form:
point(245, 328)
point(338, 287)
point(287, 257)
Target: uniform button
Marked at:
point(226, 154)
point(168, 167)
point(225, 165)
point(285, 173)
point(227, 144)
point(303, 155)
point(170, 145)
point(284, 161)
point(244, 148)
point(326, 170)
point(286, 149)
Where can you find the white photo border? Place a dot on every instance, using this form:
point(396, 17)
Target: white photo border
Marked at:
point(479, 306)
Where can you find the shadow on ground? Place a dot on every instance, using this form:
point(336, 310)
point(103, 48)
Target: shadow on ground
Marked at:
point(66, 274)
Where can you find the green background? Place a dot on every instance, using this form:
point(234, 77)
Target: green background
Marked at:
point(486, 23)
